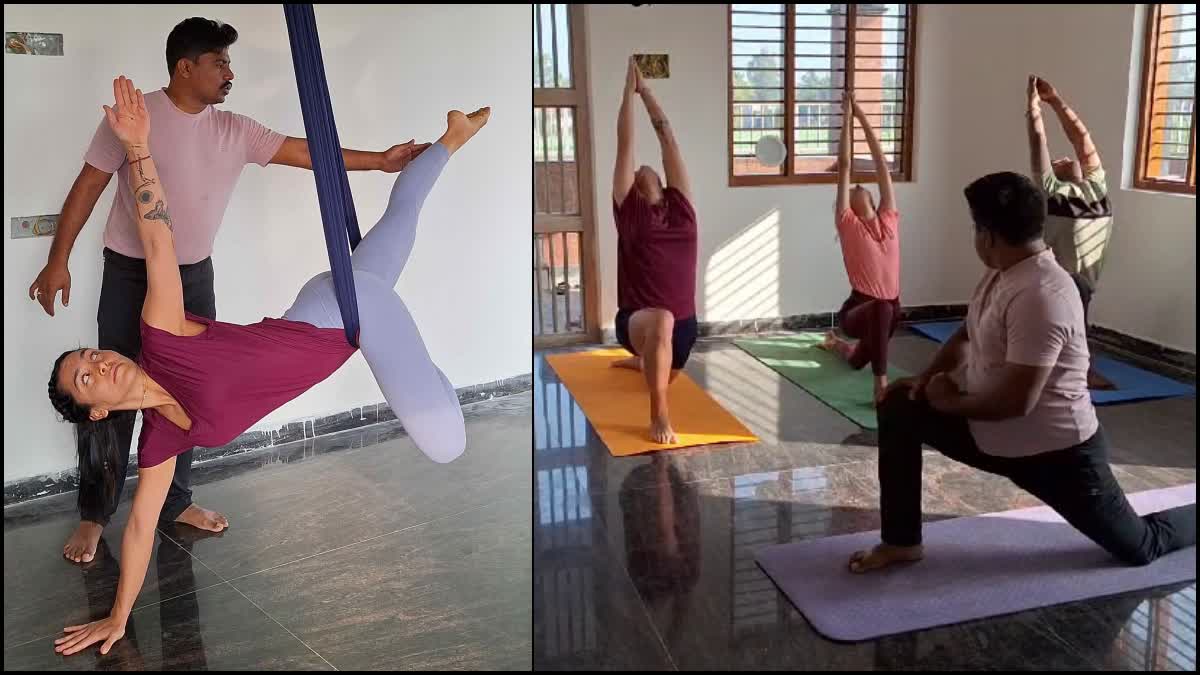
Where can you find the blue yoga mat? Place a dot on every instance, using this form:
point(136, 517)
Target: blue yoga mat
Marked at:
point(1133, 383)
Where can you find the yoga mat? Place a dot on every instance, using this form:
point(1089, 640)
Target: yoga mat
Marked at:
point(976, 567)
point(821, 373)
point(1133, 383)
point(617, 404)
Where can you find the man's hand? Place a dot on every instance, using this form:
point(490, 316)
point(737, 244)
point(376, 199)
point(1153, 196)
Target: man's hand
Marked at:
point(1033, 98)
point(915, 385)
point(940, 390)
point(108, 630)
point(1046, 91)
point(397, 157)
point(52, 279)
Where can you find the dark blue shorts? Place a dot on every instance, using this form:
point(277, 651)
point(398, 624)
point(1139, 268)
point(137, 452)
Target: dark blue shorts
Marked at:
point(683, 337)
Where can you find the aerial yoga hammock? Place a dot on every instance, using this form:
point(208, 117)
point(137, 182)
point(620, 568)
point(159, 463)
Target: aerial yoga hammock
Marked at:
point(362, 285)
point(208, 381)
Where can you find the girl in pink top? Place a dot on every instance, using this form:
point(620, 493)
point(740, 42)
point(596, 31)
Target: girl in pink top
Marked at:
point(871, 251)
point(201, 382)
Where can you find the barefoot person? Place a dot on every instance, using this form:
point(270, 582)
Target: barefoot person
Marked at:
point(201, 382)
point(1079, 215)
point(202, 152)
point(1007, 394)
point(871, 251)
point(656, 257)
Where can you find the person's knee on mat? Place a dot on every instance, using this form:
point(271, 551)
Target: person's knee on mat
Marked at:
point(662, 325)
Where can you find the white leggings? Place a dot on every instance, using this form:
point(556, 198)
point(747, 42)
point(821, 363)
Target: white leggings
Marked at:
point(418, 392)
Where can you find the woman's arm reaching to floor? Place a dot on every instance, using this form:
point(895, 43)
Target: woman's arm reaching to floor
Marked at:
point(136, 544)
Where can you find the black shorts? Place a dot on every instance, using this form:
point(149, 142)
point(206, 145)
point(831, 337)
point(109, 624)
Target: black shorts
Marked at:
point(683, 337)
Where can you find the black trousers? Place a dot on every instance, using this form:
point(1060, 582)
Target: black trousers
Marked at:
point(122, 295)
point(1076, 482)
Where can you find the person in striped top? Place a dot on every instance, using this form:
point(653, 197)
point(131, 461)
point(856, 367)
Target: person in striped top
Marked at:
point(1079, 215)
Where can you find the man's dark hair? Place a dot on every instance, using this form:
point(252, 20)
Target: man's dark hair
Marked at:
point(1008, 205)
point(195, 36)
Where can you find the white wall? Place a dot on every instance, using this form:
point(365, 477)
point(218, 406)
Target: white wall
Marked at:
point(393, 71)
point(769, 251)
point(1149, 285)
point(781, 237)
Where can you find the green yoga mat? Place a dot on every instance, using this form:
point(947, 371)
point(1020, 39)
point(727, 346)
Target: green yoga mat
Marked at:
point(821, 373)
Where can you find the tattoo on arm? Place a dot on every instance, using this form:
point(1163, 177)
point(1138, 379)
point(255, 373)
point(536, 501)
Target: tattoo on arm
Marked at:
point(660, 125)
point(146, 182)
point(159, 212)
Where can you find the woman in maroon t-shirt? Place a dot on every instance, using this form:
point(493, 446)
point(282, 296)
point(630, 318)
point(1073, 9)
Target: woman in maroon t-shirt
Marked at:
point(202, 383)
point(656, 257)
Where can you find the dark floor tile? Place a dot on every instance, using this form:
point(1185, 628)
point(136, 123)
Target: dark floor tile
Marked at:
point(680, 529)
point(285, 512)
point(44, 592)
point(451, 593)
point(213, 629)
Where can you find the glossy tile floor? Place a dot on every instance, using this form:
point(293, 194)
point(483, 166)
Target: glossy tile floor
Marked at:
point(606, 596)
point(347, 552)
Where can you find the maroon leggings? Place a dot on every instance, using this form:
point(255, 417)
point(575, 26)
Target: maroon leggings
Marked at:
point(871, 321)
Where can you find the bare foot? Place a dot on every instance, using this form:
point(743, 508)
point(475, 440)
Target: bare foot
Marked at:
point(661, 432)
point(884, 555)
point(203, 519)
point(1097, 381)
point(632, 363)
point(81, 546)
point(460, 127)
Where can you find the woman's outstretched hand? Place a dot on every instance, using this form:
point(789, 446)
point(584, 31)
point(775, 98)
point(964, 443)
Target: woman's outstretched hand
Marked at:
point(128, 118)
point(107, 630)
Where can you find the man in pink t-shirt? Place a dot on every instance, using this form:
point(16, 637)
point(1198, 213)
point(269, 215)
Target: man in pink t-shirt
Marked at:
point(1008, 395)
point(200, 152)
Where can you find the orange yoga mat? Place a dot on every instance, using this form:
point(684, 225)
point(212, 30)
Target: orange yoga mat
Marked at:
point(616, 402)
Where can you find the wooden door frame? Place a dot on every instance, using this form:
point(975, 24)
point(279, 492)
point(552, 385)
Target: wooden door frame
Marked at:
point(579, 98)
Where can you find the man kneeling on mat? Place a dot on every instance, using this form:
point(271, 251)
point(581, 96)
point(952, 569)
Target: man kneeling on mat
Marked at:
point(1007, 394)
point(656, 257)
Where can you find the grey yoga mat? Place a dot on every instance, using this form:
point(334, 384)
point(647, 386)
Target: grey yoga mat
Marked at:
point(975, 567)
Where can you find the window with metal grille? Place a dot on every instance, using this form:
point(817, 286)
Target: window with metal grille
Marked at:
point(562, 215)
point(1166, 158)
point(788, 67)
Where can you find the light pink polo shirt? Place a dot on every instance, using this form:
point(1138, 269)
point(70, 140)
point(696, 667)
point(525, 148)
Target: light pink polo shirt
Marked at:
point(1031, 314)
point(199, 159)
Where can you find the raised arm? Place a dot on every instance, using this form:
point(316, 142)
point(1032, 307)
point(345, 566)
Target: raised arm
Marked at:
point(294, 152)
point(1077, 133)
point(883, 175)
point(623, 171)
point(844, 156)
point(676, 170)
point(1039, 151)
point(130, 122)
